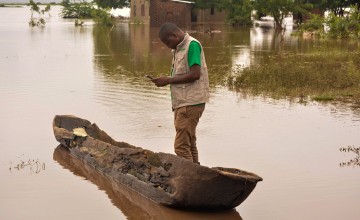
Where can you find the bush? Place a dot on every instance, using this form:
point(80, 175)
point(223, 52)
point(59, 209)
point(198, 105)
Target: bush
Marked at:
point(102, 17)
point(315, 23)
point(39, 21)
point(83, 9)
point(336, 27)
point(75, 9)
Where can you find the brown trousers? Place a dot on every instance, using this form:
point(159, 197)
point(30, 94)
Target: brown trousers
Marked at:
point(186, 119)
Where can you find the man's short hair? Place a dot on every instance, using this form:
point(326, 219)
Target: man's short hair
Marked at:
point(167, 28)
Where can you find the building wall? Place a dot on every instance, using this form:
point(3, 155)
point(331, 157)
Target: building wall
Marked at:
point(170, 11)
point(139, 11)
point(156, 12)
point(209, 16)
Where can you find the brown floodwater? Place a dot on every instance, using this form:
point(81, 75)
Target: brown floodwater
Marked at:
point(96, 74)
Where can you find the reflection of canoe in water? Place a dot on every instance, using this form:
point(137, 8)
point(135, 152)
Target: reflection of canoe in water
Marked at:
point(132, 204)
point(164, 178)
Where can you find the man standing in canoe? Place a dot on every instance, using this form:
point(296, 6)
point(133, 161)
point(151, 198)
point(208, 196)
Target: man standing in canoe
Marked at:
point(189, 86)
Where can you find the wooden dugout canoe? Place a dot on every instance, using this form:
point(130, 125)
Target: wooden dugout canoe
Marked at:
point(132, 204)
point(164, 178)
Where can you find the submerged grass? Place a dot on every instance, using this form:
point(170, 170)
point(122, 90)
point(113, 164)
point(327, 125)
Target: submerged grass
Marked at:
point(322, 76)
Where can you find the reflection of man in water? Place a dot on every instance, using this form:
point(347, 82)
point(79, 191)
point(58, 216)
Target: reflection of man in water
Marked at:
point(189, 85)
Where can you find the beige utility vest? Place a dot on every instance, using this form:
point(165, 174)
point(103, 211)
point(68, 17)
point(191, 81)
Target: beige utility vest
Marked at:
point(193, 93)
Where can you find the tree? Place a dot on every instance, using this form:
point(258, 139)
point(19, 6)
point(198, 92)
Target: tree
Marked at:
point(355, 3)
point(337, 26)
point(336, 6)
point(76, 9)
point(344, 27)
point(112, 3)
point(206, 4)
point(239, 11)
point(40, 21)
point(84, 9)
point(278, 9)
point(300, 9)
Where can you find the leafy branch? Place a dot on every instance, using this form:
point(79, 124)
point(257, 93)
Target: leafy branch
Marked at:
point(39, 21)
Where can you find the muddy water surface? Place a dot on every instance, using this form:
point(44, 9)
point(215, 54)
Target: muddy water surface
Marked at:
point(99, 75)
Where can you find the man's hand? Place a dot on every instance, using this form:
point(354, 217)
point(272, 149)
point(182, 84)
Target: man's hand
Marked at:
point(193, 75)
point(161, 81)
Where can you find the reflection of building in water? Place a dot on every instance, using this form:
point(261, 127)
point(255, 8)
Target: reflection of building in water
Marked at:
point(129, 49)
point(110, 46)
point(147, 53)
point(140, 43)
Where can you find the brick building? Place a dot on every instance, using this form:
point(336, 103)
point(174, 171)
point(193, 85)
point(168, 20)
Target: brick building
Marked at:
point(179, 12)
point(157, 12)
point(175, 11)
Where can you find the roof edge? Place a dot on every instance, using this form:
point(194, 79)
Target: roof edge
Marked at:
point(181, 1)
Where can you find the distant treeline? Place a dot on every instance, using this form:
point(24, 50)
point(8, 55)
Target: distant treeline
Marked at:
point(12, 4)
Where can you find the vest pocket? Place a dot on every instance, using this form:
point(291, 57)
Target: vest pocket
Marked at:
point(195, 91)
point(189, 92)
point(179, 92)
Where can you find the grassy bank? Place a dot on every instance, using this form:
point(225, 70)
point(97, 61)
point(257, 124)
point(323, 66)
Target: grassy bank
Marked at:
point(320, 76)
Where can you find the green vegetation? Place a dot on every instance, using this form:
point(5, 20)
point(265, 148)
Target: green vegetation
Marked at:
point(315, 26)
point(82, 9)
point(323, 98)
point(336, 6)
point(278, 9)
point(344, 27)
point(239, 12)
point(112, 3)
point(338, 27)
point(301, 9)
point(39, 21)
point(320, 76)
point(79, 22)
point(76, 9)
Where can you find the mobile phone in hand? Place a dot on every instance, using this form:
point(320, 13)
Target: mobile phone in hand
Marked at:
point(149, 77)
